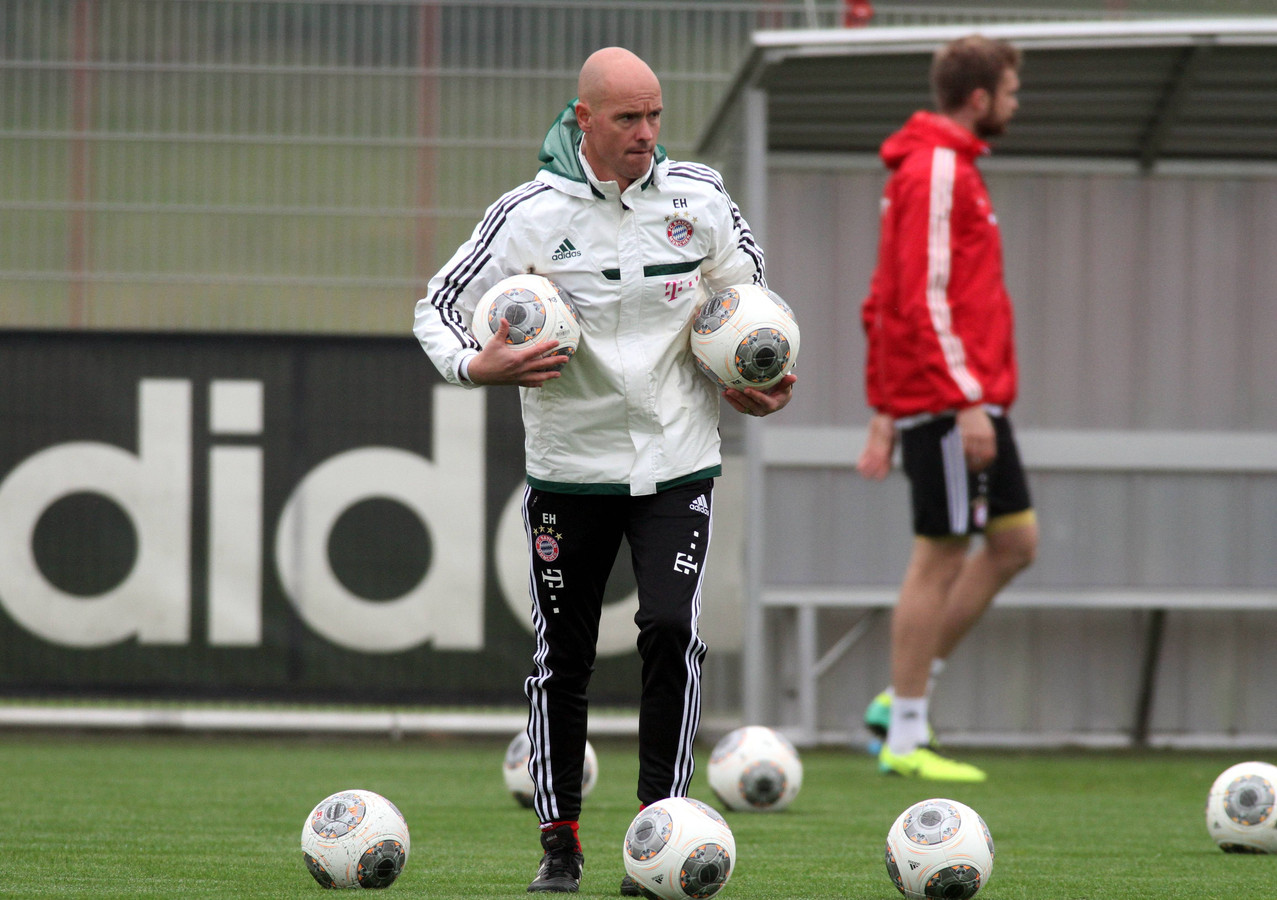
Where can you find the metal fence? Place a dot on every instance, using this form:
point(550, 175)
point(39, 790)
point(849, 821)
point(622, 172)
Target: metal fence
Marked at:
point(280, 165)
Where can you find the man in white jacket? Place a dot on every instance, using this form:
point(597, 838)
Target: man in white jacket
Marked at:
point(620, 441)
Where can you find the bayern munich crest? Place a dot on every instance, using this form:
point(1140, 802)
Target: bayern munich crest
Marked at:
point(547, 547)
point(679, 231)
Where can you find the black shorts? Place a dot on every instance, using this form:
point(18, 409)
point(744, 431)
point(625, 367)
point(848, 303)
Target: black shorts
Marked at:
point(948, 500)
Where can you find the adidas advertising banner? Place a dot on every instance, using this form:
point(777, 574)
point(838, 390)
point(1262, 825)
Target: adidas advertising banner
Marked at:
point(308, 518)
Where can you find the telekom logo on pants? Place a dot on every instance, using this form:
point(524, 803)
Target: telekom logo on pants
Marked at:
point(153, 487)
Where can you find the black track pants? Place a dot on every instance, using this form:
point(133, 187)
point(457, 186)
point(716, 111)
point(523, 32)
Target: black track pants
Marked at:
point(574, 541)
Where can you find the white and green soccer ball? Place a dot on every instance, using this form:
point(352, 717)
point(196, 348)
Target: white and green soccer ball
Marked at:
point(1241, 808)
point(536, 308)
point(518, 780)
point(755, 768)
point(939, 848)
point(355, 839)
point(679, 848)
point(745, 336)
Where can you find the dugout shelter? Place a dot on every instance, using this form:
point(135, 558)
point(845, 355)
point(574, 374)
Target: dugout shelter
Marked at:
point(1137, 193)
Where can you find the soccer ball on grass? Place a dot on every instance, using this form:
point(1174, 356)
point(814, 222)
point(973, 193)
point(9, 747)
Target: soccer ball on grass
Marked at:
point(679, 848)
point(755, 768)
point(518, 780)
point(939, 848)
point(745, 336)
point(355, 838)
point(1241, 808)
point(536, 308)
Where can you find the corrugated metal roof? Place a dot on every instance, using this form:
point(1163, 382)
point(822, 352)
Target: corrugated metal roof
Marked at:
point(1149, 91)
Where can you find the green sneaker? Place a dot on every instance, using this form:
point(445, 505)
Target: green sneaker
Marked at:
point(927, 765)
point(878, 715)
point(878, 718)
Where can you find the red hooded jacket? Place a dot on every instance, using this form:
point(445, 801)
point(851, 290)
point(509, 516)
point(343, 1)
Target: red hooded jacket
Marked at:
point(938, 318)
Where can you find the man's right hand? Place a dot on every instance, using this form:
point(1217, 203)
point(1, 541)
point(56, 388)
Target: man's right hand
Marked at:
point(979, 441)
point(880, 442)
point(501, 363)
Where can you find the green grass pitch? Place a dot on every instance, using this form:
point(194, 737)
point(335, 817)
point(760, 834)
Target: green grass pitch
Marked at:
point(138, 816)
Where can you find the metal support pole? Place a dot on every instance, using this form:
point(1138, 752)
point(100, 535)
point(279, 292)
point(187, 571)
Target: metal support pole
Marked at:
point(755, 656)
point(1148, 675)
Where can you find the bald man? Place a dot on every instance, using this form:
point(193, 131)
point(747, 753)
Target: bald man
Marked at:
point(621, 440)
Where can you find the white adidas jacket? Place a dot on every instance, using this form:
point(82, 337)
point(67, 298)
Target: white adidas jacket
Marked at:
point(630, 413)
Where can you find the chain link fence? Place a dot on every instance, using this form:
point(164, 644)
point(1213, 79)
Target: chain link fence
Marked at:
point(262, 165)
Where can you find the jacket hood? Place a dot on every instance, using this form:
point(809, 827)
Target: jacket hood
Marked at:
point(925, 131)
point(559, 150)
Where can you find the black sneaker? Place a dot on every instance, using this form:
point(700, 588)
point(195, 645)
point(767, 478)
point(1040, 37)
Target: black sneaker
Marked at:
point(562, 864)
point(630, 888)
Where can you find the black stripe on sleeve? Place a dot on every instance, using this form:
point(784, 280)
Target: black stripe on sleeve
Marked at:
point(464, 272)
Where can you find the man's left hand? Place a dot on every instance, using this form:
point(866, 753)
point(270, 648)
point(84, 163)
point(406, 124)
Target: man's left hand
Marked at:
point(754, 402)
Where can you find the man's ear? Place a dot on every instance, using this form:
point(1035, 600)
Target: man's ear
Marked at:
point(980, 102)
point(582, 116)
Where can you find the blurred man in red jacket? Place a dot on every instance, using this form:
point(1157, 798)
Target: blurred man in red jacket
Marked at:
point(941, 374)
